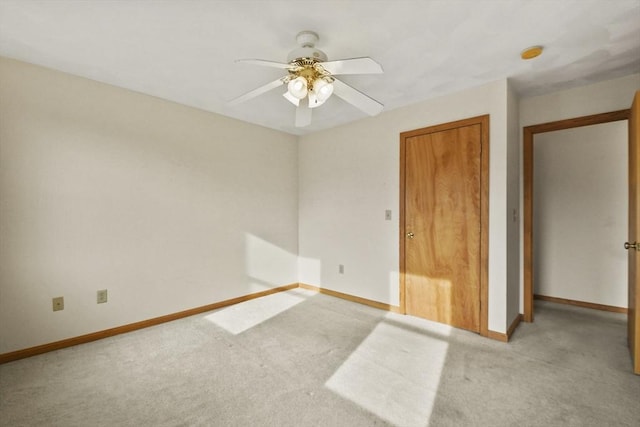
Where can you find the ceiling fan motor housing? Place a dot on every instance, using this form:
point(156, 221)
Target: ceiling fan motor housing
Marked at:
point(307, 52)
point(307, 41)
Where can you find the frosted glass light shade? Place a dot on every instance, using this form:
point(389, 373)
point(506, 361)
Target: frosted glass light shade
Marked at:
point(298, 87)
point(322, 89)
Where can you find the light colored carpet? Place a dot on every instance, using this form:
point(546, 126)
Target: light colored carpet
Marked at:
point(303, 359)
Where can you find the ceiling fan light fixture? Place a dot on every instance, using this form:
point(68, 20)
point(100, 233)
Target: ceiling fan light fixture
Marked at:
point(311, 75)
point(323, 89)
point(298, 87)
point(313, 100)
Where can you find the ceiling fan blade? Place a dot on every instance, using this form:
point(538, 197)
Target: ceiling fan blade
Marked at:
point(265, 63)
point(303, 115)
point(357, 98)
point(259, 91)
point(363, 65)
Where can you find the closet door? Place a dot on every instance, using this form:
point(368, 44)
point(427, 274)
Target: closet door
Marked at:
point(443, 223)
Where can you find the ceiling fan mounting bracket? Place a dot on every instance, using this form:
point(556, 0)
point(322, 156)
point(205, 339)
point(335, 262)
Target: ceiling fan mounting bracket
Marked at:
point(307, 38)
point(307, 41)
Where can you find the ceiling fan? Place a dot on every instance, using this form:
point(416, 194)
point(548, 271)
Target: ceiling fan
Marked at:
point(310, 80)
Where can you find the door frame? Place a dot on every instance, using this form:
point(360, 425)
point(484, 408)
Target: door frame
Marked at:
point(527, 158)
point(483, 121)
point(633, 291)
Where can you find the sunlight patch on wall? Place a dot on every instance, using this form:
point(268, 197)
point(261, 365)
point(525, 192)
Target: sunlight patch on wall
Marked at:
point(246, 315)
point(268, 263)
point(310, 270)
point(395, 372)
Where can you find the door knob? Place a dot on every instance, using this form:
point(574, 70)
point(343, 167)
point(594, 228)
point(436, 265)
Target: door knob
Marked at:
point(410, 235)
point(633, 245)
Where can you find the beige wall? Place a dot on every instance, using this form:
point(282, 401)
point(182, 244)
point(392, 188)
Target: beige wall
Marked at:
point(170, 207)
point(580, 213)
point(349, 176)
point(609, 95)
point(602, 97)
point(512, 207)
point(167, 207)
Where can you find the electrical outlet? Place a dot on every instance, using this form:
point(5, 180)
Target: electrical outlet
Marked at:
point(341, 269)
point(58, 303)
point(102, 296)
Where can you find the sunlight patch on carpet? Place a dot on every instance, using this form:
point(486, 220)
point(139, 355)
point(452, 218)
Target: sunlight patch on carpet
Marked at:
point(246, 315)
point(395, 372)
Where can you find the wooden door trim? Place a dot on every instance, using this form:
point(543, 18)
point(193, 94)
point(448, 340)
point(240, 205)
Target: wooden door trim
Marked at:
point(527, 162)
point(633, 284)
point(483, 121)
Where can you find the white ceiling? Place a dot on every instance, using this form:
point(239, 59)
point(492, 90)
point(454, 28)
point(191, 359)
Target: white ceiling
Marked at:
point(184, 51)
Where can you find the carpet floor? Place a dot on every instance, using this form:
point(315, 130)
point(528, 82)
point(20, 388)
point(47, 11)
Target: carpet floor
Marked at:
point(299, 358)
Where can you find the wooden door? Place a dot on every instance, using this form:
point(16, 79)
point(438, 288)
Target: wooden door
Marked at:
point(443, 230)
point(633, 242)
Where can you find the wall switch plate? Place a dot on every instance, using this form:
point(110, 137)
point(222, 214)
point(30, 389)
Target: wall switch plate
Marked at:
point(58, 303)
point(102, 296)
point(341, 269)
point(387, 215)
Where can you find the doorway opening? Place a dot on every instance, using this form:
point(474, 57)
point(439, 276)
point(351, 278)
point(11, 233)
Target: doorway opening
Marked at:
point(528, 174)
